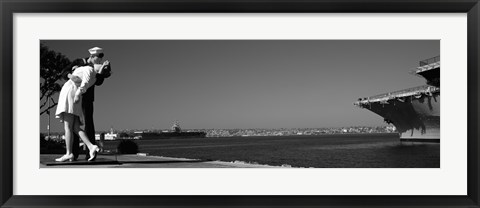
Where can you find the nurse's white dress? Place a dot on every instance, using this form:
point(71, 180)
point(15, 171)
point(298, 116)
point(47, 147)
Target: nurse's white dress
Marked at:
point(82, 78)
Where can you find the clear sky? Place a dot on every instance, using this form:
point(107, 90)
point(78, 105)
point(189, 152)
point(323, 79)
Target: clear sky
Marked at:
point(245, 83)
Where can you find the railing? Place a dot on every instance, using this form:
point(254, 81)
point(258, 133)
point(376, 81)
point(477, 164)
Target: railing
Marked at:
point(430, 61)
point(401, 93)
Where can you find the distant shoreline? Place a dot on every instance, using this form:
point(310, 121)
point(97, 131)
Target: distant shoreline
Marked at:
point(345, 134)
point(278, 136)
point(317, 131)
point(326, 134)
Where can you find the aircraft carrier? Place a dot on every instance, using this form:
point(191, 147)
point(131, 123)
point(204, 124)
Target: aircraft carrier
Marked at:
point(415, 112)
point(175, 132)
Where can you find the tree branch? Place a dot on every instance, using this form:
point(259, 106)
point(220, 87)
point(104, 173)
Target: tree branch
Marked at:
point(44, 90)
point(41, 113)
point(48, 96)
point(43, 105)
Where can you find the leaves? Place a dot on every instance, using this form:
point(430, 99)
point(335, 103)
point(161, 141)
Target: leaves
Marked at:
point(51, 65)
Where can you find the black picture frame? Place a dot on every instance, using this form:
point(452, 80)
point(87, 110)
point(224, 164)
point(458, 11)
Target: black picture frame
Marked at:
point(9, 7)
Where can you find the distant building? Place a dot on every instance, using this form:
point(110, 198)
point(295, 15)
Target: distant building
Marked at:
point(54, 137)
point(108, 136)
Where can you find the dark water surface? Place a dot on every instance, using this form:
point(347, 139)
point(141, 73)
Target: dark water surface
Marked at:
point(325, 151)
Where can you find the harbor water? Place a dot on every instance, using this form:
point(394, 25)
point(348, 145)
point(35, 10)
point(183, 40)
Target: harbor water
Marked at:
point(320, 151)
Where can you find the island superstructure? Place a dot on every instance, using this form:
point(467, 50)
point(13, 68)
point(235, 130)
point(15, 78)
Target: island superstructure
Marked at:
point(415, 112)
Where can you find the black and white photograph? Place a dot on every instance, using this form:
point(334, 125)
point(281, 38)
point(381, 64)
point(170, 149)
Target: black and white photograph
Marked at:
point(239, 103)
point(265, 103)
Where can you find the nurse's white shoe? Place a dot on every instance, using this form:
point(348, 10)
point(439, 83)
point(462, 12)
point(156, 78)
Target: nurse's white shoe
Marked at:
point(65, 158)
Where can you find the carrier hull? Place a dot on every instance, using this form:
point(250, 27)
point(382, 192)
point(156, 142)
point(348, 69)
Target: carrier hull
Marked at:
point(416, 118)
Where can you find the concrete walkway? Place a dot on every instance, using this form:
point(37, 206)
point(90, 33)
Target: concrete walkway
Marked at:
point(141, 161)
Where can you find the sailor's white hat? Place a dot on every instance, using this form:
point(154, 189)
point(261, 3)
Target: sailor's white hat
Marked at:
point(95, 50)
